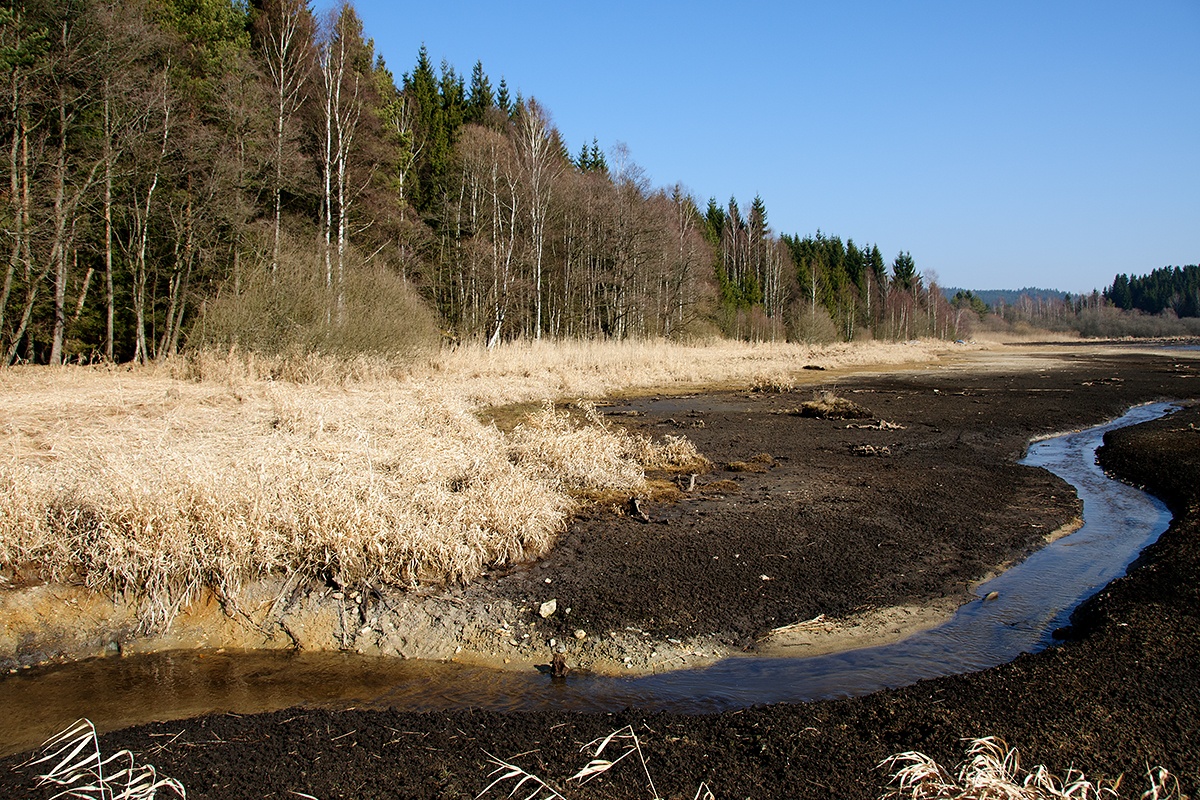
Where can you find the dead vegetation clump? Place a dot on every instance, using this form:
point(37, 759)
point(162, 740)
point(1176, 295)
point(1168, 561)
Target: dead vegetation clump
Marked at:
point(759, 463)
point(584, 453)
point(773, 384)
point(827, 405)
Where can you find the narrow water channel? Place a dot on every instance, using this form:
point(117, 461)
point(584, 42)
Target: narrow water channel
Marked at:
point(1032, 600)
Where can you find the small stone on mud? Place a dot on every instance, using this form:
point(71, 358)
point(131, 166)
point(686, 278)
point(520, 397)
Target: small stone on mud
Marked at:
point(580, 634)
point(547, 609)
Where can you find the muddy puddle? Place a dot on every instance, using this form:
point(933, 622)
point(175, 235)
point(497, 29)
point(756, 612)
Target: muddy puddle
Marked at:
point(1016, 612)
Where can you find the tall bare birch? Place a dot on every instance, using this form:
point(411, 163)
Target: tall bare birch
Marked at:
point(140, 231)
point(287, 41)
point(342, 101)
point(541, 169)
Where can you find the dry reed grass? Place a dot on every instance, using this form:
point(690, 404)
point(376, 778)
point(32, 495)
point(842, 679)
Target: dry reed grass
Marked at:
point(827, 405)
point(74, 766)
point(212, 471)
point(992, 771)
point(133, 482)
point(535, 371)
point(527, 785)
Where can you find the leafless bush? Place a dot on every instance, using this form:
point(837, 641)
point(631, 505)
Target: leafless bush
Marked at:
point(1113, 323)
point(291, 312)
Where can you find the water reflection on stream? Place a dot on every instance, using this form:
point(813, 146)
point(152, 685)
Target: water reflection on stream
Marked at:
point(1034, 598)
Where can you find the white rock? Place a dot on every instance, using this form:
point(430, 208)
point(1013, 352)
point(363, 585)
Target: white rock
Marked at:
point(547, 609)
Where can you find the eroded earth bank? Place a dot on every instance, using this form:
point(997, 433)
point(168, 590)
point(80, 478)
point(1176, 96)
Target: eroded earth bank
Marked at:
point(899, 512)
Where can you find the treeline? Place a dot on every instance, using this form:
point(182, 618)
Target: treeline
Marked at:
point(209, 172)
point(844, 291)
point(1174, 289)
point(1164, 303)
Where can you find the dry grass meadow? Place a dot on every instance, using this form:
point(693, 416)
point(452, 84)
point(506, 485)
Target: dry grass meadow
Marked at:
point(213, 471)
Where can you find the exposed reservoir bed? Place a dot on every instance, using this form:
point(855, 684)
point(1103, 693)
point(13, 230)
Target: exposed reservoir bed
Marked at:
point(1031, 600)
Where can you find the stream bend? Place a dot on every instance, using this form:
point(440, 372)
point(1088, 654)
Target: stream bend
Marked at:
point(1031, 601)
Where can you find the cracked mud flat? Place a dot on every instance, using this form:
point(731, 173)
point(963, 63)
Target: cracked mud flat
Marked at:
point(845, 524)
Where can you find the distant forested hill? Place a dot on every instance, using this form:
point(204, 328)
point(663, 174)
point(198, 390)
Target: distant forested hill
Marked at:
point(992, 297)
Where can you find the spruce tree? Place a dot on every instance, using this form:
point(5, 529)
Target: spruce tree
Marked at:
point(904, 272)
point(598, 162)
point(480, 100)
point(422, 88)
point(503, 102)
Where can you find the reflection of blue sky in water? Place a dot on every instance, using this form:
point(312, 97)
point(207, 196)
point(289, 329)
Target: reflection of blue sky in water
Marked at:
point(1035, 597)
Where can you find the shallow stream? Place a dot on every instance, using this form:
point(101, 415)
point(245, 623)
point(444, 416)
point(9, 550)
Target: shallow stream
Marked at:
point(1031, 601)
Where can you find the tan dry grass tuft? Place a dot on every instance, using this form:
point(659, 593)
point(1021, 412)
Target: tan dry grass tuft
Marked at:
point(134, 482)
point(159, 488)
point(992, 771)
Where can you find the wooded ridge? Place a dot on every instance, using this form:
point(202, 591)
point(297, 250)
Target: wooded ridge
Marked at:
point(187, 173)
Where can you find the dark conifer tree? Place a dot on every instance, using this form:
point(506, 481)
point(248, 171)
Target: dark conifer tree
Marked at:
point(904, 272)
point(596, 157)
point(421, 87)
point(481, 99)
point(503, 101)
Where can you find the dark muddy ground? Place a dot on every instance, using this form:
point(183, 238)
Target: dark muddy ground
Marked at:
point(873, 518)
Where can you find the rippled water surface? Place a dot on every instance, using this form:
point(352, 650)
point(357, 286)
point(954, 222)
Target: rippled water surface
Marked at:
point(1033, 599)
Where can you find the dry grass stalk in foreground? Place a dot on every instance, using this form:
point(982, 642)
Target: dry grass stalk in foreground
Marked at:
point(134, 482)
point(625, 738)
point(72, 762)
point(992, 771)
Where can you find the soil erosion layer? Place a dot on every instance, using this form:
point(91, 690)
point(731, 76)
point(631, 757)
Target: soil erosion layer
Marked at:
point(804, 516)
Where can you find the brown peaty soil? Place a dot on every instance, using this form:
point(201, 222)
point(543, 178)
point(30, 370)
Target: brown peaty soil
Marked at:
point(840, 520)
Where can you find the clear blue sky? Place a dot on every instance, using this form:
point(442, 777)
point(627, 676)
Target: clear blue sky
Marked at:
point(1003, 144)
